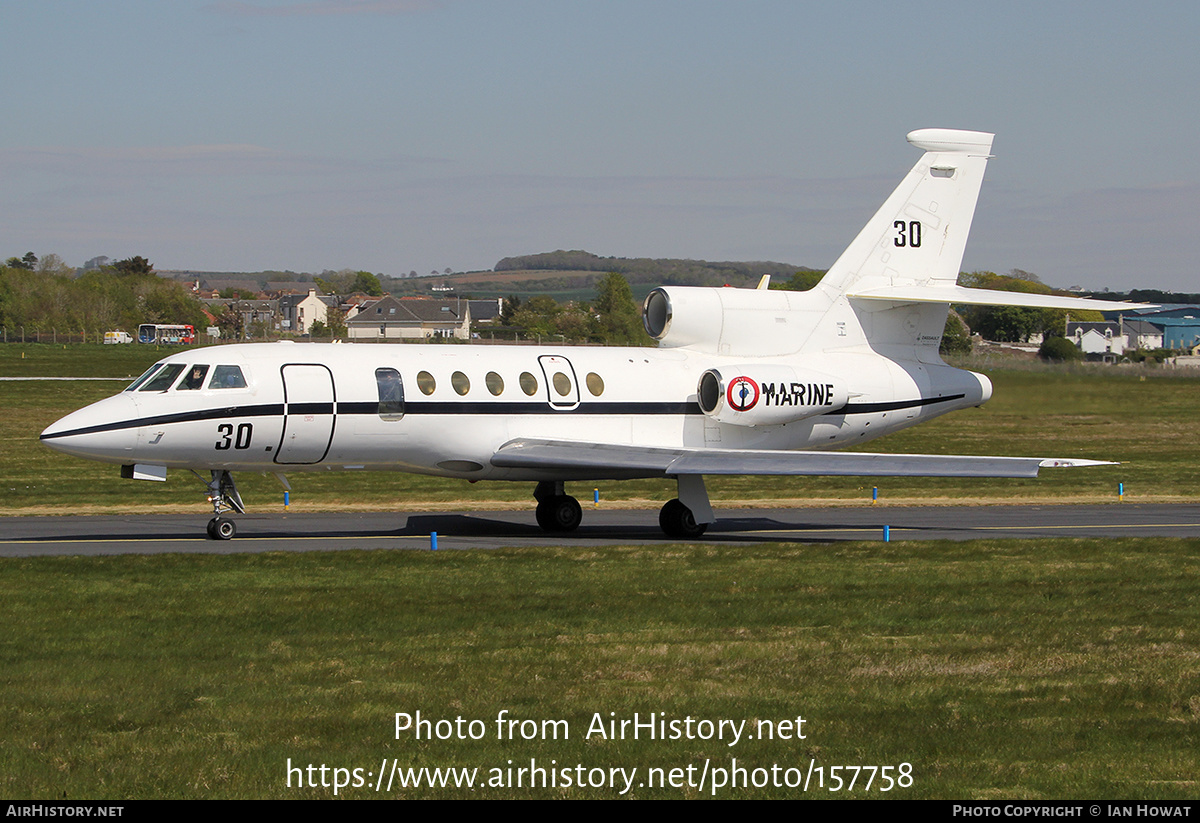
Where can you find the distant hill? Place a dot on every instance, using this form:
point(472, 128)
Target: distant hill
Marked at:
point(669, 271)
point(564, 275)
point(567, 275)
point(1150, 296)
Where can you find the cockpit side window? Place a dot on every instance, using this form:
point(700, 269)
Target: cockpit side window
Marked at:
point(194, 379)
point(163, 380)
point(145, 376)
point(227, 377)
point(391, 394)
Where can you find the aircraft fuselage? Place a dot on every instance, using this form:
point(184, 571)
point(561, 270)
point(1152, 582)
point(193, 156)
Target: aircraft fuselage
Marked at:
point(446, 409)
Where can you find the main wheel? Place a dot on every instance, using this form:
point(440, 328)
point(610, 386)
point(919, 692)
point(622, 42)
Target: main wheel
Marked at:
point(559, 514)
point(221, 529)
point(677, 520)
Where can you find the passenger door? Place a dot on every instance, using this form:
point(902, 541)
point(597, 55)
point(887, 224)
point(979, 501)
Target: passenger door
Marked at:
point(309, 413)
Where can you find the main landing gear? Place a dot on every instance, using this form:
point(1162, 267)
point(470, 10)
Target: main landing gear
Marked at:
point(686, 517)
point(677, 520)
point(556, 510)
point(223, 495)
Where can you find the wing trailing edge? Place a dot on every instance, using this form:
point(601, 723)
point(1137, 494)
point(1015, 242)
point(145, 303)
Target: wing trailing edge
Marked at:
point(607, 460)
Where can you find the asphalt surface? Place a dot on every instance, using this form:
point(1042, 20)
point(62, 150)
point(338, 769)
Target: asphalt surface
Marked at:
point(152, 534)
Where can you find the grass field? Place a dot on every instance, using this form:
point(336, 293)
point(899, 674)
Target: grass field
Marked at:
point(1041, 669)
point(1022, 669)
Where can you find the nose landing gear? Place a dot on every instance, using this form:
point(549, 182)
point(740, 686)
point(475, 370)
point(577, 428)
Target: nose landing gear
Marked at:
point(223, 495)
point(221, 528)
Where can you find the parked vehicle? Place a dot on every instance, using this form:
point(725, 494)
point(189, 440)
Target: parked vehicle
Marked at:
point(163, 333)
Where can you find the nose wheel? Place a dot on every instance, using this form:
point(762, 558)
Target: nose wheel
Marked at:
point(221, 528)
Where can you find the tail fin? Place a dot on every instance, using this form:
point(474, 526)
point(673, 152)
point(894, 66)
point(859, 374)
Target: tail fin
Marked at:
point(918, 236)
point(890, 290)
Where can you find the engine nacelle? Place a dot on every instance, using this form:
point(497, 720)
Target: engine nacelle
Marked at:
point(767, 395)
point(737, 322)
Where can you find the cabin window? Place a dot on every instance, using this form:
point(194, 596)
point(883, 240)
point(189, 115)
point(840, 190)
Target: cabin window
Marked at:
point(494, 383)
point(562, 384)
point(145, 376)
point(460, 383)
point(529, 383)
point(193, 379)
point(425, 382)
point(391, 394)
point(227, 377)
point(163, 380)
point(595, 384)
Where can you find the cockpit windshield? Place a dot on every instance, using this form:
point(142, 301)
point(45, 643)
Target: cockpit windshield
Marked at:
point(163, 380)
point(145, 376)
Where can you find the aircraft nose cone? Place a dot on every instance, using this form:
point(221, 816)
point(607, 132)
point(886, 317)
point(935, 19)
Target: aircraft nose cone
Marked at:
point(102, 431)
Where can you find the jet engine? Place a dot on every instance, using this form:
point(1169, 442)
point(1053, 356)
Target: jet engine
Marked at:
point(767, 395)
point(738, 322)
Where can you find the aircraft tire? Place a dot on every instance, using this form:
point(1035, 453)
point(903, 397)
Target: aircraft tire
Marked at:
point(559, 514)
point(221, 529)
point(677, 520)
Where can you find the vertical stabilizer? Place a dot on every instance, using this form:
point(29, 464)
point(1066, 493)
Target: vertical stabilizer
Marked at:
point(902, 265)
point(919, 234)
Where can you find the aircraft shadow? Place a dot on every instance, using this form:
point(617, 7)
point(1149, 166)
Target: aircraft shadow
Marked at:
point(458, 525)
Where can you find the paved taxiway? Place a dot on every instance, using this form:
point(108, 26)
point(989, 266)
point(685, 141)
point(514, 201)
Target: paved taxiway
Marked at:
point(152, 534)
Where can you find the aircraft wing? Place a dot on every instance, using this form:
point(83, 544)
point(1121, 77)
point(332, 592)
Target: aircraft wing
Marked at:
point(609, 460)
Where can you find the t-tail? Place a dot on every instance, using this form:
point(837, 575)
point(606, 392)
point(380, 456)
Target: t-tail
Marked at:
point(918, 236)
point(889, 292)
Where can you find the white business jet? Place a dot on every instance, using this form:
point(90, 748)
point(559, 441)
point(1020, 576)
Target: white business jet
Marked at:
point(743, 381)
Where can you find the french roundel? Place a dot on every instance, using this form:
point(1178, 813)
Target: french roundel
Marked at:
point(742, 394)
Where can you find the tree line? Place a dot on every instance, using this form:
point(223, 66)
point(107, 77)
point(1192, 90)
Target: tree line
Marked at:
point(43, 294)
point(613, 318)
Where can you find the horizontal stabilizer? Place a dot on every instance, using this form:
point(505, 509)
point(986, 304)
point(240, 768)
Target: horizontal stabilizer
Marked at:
point(990, 297)
point(604, 460)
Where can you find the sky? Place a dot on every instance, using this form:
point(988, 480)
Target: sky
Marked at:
point(420, 135)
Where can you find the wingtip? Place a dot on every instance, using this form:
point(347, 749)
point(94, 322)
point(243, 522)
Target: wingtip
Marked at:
point(1073, 463)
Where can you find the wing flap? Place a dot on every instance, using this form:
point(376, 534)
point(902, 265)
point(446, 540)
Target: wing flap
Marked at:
point(588, 460)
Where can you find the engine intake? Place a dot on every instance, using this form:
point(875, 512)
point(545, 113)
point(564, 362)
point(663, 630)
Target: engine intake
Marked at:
point(767, 395)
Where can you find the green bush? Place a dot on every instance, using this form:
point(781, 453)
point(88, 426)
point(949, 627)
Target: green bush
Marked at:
point(1059, 349)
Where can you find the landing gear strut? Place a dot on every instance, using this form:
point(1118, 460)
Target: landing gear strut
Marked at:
point(223, 495)
point(556, 511)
